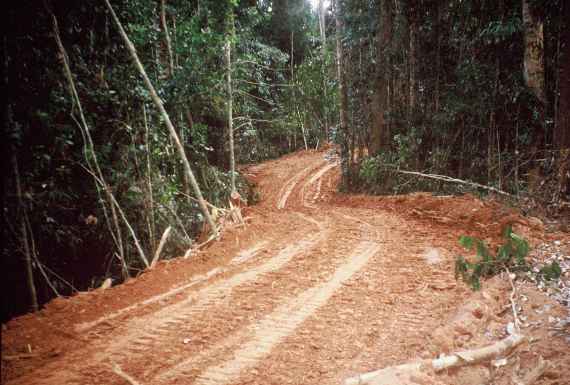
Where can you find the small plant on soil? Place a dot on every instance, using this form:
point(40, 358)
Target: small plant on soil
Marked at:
point(509, 256)
point(550, 272)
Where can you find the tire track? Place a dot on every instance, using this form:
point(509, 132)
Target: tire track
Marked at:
point(144, 332)
point(316, 177)
point(289, 186)
point(271, 330)
point(240, 258)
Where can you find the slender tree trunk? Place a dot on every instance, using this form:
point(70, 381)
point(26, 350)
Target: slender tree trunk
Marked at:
point(25, 237)
point(228, 60)
point(438, 35)
point(174, 43)
point(323, 33)
point(167, 41)
point(171, 129)
point(343, 97)
point(380, 135)
point(413, 59)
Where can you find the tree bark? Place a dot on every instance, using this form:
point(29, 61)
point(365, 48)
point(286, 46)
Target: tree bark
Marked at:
point(228, 60)
point(171, 129)
point(380, 135)
point(562, 128)
point(413, 57)
point(343, 97)
point(438, 34)
point(533, 51)
point(25, 237)
point(323, 33)
point(167, 41)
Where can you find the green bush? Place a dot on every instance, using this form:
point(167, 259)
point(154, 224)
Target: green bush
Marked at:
point(509, 256)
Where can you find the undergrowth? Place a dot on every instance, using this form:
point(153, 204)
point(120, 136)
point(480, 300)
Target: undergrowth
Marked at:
point(510, 256)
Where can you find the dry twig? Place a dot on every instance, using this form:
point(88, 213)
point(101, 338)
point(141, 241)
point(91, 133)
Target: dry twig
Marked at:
point(163, 240)
point(119, 372)
point(446, 178)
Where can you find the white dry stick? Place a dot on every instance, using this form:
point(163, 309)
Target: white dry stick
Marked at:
point(468, 357)
point(516, 319)
point(160, 246)
point(446, 178)
point(119, 372)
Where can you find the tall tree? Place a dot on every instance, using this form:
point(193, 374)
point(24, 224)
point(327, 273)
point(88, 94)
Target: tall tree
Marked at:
point(562, 129)
point(380, 131)
point(167, 40)
point(230, 35)
point(343, 96)
point(533, 49)
point(413, 26)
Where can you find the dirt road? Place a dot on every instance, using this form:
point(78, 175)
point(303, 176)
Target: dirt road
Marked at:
point(316, 288)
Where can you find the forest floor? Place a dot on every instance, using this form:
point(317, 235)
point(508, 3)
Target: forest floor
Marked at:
point(317, 287)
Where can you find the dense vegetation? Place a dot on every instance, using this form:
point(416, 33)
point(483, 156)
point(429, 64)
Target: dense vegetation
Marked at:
point(473, 89)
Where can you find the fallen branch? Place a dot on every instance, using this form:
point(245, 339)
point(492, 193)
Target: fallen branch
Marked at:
point(119, 372)
point(468, 357)
point(449, 179)
point(163, 240)
point(14, 357)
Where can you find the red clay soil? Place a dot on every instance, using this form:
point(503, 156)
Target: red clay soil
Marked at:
point(315, 288)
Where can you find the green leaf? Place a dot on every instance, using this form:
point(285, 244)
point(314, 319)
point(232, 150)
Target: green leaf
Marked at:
point(466, 241)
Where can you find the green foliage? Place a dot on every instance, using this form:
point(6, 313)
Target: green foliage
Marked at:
point(134, 151)
point(551, 271)
point(473, 116)
point(509, 256)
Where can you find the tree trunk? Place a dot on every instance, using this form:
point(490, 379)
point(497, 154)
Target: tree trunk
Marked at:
point(380, 135)
point(533, 51)
point(323, 33)
point(413, 58)
point(562, 128)
point(167, 43)
point(171, 129)
point(343, 97)
point(438, 35)
point(228, 60)
point(25, 236)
